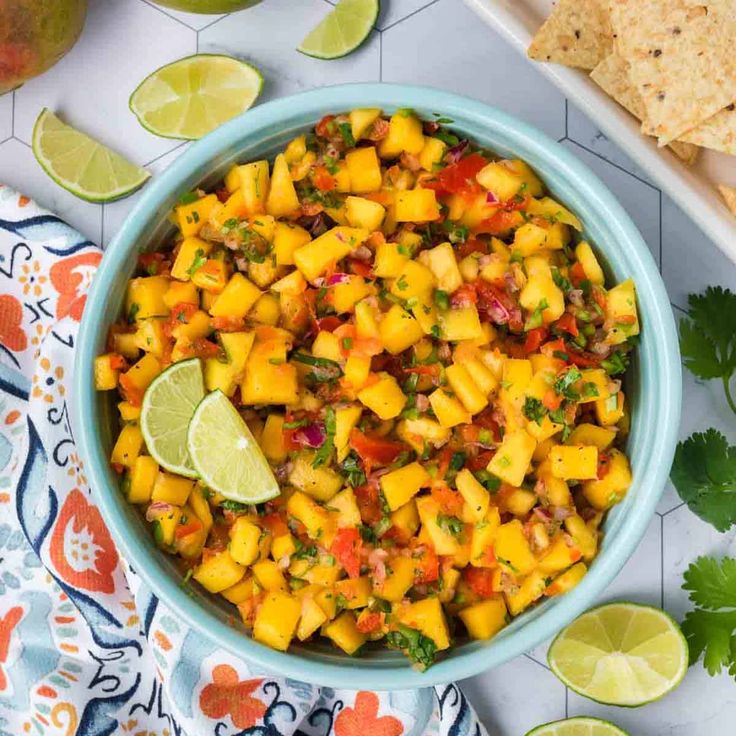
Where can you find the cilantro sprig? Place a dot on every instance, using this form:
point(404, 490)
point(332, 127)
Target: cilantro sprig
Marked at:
point(704, 474)
point(710, 628)
point(704, 468)
point(708, 337)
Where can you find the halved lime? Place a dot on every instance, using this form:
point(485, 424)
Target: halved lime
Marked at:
point(620, 654)
point(168, 406)
point(226, 455)
point(192, 96)
point(579, 726)
point(80, 164)
point(343, 30)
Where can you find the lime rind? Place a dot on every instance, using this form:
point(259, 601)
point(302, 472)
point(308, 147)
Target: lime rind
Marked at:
point(168, 406)
point(578, 726)
point(623, 665)
point(226, 455)
point(75, 161)
point(342, 31)
point(174, 101)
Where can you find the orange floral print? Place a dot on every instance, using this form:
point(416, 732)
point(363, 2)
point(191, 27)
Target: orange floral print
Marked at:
point(71, 277)
point(362, 719)
point(11, 315)
point(228, 695)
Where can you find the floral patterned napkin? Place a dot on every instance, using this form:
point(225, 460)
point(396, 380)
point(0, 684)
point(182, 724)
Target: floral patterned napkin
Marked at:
point(85, 647)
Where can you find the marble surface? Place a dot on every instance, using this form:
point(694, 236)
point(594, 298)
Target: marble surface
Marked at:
point(440, 43)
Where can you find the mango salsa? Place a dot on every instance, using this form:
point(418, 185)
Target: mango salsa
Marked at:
point(427, 352)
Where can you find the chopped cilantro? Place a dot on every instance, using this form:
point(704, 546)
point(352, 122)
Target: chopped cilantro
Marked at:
point(324, 453)
point(419, 648)
point(534, 410)
point(442, 299)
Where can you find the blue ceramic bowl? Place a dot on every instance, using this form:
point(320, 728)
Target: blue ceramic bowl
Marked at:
point(654, 385)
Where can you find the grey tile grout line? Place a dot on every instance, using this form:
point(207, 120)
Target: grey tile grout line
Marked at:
point(168, 15)
point(567, 113)
point(536, 661)
point(12, 116)
point(661, 561)
point(567, 701)
point(166, 153)
point(614, 164)
point(678, 308)
point(411, 15)
point(676, 508)
point(209, 25)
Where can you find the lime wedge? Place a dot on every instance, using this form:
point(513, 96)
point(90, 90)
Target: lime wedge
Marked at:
point(578, 727)
point(80, 164)
point(168, 406)
point(620, 654)
point(343, 30)
point(226, 455)
point(192, 96)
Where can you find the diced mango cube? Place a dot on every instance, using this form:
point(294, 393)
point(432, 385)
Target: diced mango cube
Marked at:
point(484, 619)
point(384, 397)
point(276, 620)
point(400, 485)
point(574, 462)
point(417, 205)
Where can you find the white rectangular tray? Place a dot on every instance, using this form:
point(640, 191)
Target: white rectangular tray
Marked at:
point(693, 188)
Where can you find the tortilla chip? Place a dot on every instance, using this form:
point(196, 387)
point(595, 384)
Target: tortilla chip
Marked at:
point(611, 75)
point(718, 132)
point(681, 59)
point(577, 33)
point(729, 196)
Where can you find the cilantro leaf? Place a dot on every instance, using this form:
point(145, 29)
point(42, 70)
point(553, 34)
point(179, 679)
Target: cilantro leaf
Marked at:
point(710, 629)
point(704, 474)
point(324, 453)
point(708, 336)
point(419, 648)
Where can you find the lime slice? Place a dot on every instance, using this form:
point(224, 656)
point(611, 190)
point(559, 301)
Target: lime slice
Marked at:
point(226, 455)
point(620, 654)
point(192, 96)
point(578, 727)
point(80, 164)
point(343, 30)
point(168, 406)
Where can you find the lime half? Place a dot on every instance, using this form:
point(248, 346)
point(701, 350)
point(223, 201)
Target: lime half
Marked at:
point(168, 406)
point(620, 654)
point(190, 97)
point(226, 455)
point(578, 727)
point(80, 164)
point(343, 30)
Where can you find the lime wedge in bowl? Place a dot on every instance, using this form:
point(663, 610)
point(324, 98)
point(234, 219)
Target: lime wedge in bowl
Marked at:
point(620, 654)
point(168, 406)
point(192, 96)
point(343, 30)
point(580, 726)
point(82, 165)
point(226, 455)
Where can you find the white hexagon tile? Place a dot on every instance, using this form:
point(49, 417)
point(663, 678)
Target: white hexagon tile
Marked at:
point(438, 43)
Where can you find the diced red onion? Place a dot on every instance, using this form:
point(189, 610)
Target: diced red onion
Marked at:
point(561, 513)
point(340, 236)
point(431, 127)
point(510, 281)
point(456, 152)
point(313, 435)
point(542, 514)
point(377, 562)
point(283, 562)
point(497, 312)
point(157, 509)
point(600, 348)
point(576, 297)
point(491, 198)
point(421, 402)
point(338, 278)
point(362, 253)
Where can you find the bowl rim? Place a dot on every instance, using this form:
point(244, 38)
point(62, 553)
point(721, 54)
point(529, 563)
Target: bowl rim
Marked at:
point(667, 374)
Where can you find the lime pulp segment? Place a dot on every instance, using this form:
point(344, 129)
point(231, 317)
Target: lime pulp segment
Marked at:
point(192, 96)
point(343, 30)
point(226, 455)
point(168, 406)
point(620, 654)
point(82, 165)
point(580, 726)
